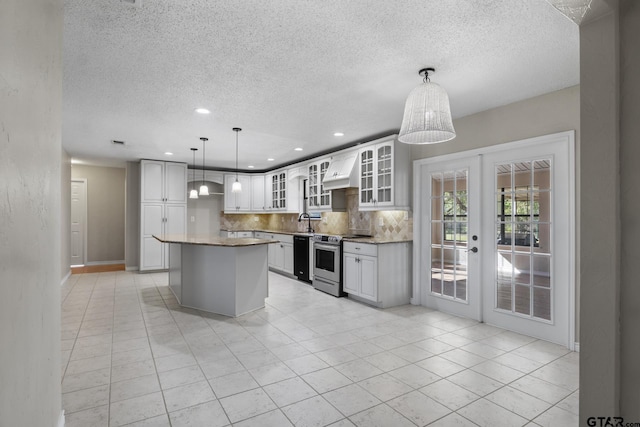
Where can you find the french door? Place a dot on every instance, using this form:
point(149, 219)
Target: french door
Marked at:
point(451, 237)
point(496, 236)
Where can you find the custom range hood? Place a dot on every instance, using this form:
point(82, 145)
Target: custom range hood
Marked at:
point(342, 172)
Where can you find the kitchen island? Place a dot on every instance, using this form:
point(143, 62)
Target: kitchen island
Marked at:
point(218, 275)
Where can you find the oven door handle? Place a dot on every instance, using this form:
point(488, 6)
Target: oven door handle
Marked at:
point(326, 247)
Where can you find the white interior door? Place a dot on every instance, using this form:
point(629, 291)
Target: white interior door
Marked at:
point(450, 237)
point(78, 221)
point(514, 203)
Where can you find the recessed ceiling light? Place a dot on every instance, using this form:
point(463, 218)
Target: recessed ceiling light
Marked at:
point(270, 159)
point(76, 162)
point(202, 111)
point(338, 134)
point(251, 166)
point(298, 149)
point(168, 153)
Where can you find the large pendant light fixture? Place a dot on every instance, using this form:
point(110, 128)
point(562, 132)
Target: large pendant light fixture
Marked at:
point(204, 190)
point(427, 115)
point(193, 194)
point(237, 186)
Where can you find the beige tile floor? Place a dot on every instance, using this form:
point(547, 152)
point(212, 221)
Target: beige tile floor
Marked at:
point(131, 356)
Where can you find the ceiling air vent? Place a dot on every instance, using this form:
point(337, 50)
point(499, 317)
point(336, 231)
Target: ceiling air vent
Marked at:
point(116, 142)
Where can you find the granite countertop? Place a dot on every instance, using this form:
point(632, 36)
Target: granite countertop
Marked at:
point(212, 240)
point(363, 239)
point(375, 240)
point(292, 233)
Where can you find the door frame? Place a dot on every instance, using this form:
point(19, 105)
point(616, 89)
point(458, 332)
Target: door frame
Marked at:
point(85, 219)
point(420, 207)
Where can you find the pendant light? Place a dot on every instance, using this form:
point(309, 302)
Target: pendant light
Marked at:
point(427, 115)
point(237, 186)
point(204, 190)
point(193, 194)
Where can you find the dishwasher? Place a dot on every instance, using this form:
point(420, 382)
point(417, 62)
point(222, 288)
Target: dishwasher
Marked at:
point(301, 257)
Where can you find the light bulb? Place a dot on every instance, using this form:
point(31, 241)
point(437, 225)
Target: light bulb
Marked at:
point(193, 194)
point(236, 187)
point(204, 190)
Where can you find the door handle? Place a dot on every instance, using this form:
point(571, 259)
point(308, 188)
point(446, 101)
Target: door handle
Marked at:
point(473, 249)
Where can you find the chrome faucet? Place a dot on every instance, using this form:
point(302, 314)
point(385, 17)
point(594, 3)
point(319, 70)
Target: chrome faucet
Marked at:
point(306, 215)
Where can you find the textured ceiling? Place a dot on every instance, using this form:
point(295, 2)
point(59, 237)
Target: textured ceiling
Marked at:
point(291, 73)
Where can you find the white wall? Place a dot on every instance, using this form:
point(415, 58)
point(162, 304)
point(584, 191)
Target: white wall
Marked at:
point(30, 154)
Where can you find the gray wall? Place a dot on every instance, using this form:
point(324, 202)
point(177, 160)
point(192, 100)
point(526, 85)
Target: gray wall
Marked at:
point(105, 212)
point(65, 214)
point(132, 217)
point(550, 113)
point(30, 149)
point(599, 249)
point(630, 209)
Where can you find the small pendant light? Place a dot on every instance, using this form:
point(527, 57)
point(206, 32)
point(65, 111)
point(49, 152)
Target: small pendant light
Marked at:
point(204, 190)
point(427, 115)
point(193, 194)
point(237, 186)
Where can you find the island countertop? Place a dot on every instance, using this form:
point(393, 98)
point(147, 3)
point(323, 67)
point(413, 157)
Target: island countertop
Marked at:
point(211, 240)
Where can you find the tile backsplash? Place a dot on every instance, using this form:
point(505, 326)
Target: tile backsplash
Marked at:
point(383, 224)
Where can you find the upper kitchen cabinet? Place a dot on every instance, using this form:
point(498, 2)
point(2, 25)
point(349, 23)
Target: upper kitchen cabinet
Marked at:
point(258, 202)
point(319, 196)
point(163, 182)
point(237, 202)
point(276, 183)
point(385, 176)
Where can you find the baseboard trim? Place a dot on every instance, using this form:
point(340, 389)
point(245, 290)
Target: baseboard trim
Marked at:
point(100, 268)
point(120, 261)
point(132, 268)
point(65, 278)
point(61, 419)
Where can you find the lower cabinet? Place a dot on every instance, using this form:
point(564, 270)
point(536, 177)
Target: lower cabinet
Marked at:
point(378, 274)
point(280, 253)
point(159, 219)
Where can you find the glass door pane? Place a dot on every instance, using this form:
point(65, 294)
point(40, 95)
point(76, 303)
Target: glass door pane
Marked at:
point(325, 195)
point(366, 176)
point(523, 247)
point(449, 227)
point(313, 186)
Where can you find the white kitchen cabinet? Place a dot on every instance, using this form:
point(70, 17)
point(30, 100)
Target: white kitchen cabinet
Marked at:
point(280, 253)
point(163, 209)
point(385, 172)
point(378, 274)
point(237, 202)
point(277, 188)
point(283, 257)
point(319, 197)
point(257, 194)
point(163, 182)
point(159, 219)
